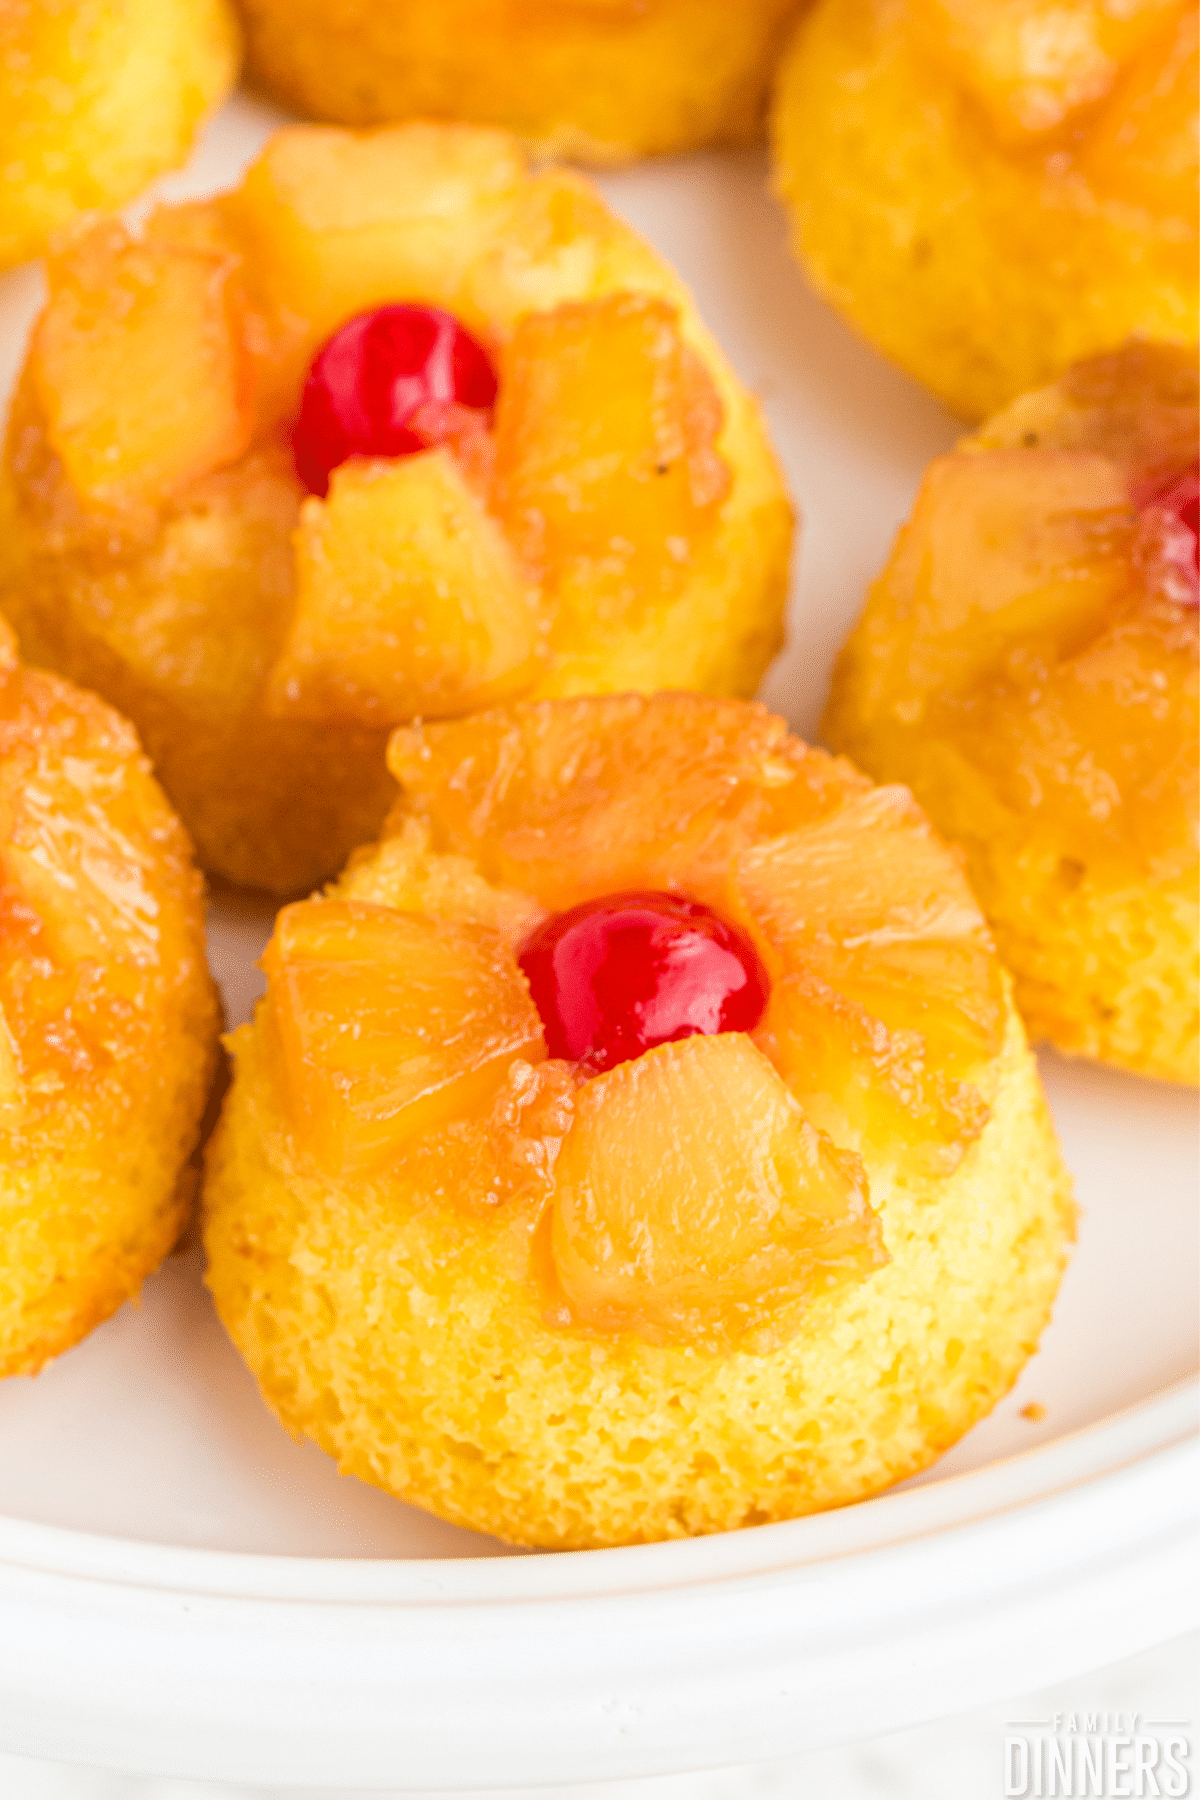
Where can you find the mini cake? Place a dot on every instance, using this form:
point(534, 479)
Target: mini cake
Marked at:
point(108, 1017)
point(99, 98)
point(1027, 664)
point(413, 431)
point(639, 1140)
point(602, 82)
point(992, 189)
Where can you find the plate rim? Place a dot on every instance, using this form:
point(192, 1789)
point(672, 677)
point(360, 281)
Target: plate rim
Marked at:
point(1140, 1433)
point(514, 1671)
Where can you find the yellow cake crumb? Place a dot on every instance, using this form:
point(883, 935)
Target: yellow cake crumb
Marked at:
point(601, 83)
point(100, 96)
point(991, 189)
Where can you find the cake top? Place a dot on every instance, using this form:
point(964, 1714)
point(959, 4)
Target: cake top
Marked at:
point(658, 967)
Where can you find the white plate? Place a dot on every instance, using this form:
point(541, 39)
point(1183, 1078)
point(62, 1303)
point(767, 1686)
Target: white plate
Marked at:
point(185, 1591)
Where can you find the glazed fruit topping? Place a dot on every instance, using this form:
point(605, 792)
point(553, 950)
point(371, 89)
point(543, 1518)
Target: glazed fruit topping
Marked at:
point(694, 1201)
point(389, 1025)
point(389, 382)
point(175, 316)
point(617, 976)
point(1169, 536)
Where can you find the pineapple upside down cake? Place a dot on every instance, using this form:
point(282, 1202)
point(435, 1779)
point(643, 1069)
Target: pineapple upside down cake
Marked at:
point(1027, 664)
point(638, 1140)
point(108, 1016)
point(397, 429)
point(601, 82)
point(990, 190)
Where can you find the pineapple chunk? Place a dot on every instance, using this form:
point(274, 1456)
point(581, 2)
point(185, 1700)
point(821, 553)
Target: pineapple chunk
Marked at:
point(73, 840)
point(1019, 547)
point(1144, 148)
point(872, 1088)
point(888, 1009)
point(338, 222)
point(869, 875)
point(524, 1130)
point(606, 473)
point(12, 1086)
point(555, 241)
point(1103, 751)
point(1031, 65)
point(192, 225)
point(693, 1200)
point(949, 990)
point(389, 1025)
point(10, 658)
point(85, 845)
point(140, 368)
point(401, 871)
point(409, 600)
point(571, 799)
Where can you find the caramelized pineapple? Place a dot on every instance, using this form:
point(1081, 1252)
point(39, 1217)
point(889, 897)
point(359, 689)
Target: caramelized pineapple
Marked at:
point(108, 1016)
point(693, 1201)
point(545, 479)
point(1098, 746)
point(389, 1024)
point(700, 1266)
point(1028, 664)
point(333, 223)
point(571, 799)
point(860, 880)
point(1144, 150)
point(606, 474)
point(402, 871)
point(557, 242)
point(1033, 67)
point(888, 992)
point(1000, 550)
point(140, 369)
point(409, 599)
point(888, 1010)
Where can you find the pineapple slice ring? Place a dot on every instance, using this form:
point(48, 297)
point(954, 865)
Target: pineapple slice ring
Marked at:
point(99, 99)
point(738, 1278)
point(1031, 673)
point(108, 1016)
point(990, 190)
point(601, 82)
point(623, 526)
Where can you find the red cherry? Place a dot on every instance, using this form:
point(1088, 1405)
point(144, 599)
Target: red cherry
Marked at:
point(617, 976)
point(374, 374)
point(1168, 541)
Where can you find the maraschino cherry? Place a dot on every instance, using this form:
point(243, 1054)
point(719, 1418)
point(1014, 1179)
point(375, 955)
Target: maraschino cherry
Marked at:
point(388, 383)
point(1168, 544)
point(616, 976)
